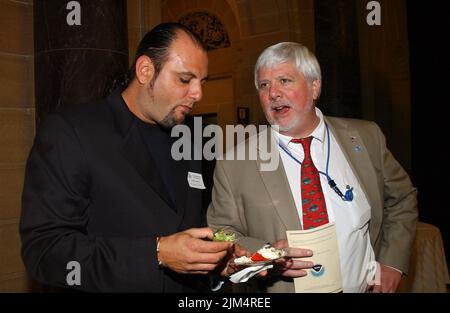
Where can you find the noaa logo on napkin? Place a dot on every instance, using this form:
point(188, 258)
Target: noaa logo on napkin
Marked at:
point(317, 270)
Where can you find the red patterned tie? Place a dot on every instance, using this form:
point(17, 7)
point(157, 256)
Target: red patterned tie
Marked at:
point(313, 201)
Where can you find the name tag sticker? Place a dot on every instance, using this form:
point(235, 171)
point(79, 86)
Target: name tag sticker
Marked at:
point(195, 180)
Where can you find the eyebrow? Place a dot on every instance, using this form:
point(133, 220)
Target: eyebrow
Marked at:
point(285, 75)
point(277, 78)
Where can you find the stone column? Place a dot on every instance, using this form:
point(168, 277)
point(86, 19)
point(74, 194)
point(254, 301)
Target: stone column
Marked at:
point(77, 63)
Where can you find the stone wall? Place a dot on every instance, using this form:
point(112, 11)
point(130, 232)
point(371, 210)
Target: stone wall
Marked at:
point(16, 132)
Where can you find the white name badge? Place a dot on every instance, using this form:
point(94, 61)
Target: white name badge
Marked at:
point(195, 180)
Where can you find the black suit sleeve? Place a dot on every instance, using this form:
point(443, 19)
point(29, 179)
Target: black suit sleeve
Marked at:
point(55, 215)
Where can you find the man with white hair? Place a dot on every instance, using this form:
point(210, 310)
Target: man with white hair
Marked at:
point(375, 216)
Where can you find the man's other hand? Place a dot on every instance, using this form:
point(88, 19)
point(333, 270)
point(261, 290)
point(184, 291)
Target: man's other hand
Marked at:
point(290, 265)
point(390, 279)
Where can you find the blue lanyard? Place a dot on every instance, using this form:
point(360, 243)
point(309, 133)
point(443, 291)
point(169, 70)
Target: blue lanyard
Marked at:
point(348, 193)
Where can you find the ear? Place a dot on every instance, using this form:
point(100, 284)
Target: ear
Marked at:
point(316, 87)
point(145, 70)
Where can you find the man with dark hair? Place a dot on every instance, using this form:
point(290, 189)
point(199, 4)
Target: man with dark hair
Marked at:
point(103, 192)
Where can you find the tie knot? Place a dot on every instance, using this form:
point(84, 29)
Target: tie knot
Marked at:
point(306, 143)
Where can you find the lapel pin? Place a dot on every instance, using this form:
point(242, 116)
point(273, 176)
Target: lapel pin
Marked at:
point(358, 148)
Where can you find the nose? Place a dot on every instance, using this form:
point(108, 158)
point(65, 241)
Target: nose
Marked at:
point(196, 92)
point(274, 92)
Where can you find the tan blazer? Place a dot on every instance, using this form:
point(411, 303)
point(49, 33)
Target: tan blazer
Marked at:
point(259, 207)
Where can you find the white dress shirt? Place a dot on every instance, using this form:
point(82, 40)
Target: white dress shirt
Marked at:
point(351, 217)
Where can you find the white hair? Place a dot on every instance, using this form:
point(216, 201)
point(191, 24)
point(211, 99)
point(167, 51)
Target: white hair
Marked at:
point(303, 59)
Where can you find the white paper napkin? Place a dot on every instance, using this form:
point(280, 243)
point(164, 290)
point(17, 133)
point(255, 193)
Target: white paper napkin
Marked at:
point(244, 275)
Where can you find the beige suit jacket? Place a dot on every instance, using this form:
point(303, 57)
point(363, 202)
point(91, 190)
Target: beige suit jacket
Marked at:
point(259, 207)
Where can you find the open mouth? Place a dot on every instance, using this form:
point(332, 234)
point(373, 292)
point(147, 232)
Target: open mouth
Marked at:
point(281, 108)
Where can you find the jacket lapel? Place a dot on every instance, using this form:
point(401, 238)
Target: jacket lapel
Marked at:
point(277, 186)
point(357, 155)
point(134, 148)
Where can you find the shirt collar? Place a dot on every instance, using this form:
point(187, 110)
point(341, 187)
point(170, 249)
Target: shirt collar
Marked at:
point(318, 133)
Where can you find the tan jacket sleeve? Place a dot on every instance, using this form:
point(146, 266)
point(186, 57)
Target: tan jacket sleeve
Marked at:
point(394, 244)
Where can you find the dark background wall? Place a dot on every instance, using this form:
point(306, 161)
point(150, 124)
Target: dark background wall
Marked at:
point(337, 49)
point(429, 31)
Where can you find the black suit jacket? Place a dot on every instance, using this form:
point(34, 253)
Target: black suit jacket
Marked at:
point(92, 194)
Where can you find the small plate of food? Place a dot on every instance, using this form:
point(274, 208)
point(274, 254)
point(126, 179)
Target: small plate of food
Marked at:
point(265, 255)
point(222, 235)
